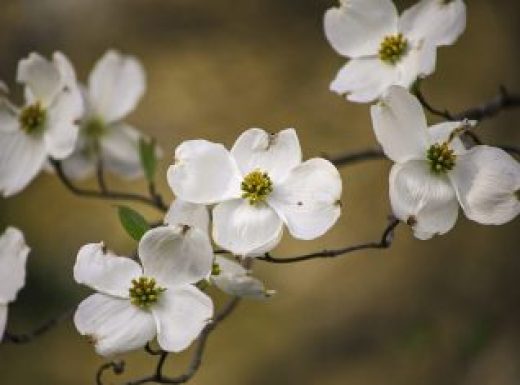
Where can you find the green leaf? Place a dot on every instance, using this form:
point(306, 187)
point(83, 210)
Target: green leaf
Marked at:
point(133, 222)
point(148, 157)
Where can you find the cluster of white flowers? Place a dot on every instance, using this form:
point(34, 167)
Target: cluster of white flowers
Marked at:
point(64, 120)
point(243, 198)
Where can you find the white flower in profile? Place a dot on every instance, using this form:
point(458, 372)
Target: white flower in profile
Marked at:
point(44, 127)
point(258, 186)
point(13, 258)
point(115, 87)
point(385, 49)
point(232, 278)
point(134, 304)
point(229, 276)
point(434, 172)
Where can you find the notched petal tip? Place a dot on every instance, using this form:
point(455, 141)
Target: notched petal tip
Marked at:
point(411, 220)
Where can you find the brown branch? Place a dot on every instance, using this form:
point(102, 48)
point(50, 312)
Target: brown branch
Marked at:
point(196, 360)
point(106, 194)
point(384, 243)
point(118, 367)
point(356, 156)
point(503, 101)
point(40, 330)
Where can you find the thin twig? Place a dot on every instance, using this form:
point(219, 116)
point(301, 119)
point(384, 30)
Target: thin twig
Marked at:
point(442, 113)
point(109, 195)
point(196, 360)
point(40, 330)
point(118, 367)
point(100, 174)
point(357, 156)
point(385, 242)
point(503, 101)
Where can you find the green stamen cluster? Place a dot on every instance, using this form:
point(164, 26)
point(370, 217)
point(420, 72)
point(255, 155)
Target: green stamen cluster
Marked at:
point(94, 128)
point(256, 186)
point(144, 292)
point(32, 118)
point(441, 158)
point(393, 48)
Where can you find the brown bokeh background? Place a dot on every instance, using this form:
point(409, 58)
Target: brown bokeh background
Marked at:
point(445, 311)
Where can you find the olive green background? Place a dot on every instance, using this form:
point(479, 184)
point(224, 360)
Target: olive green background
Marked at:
point(445, 311)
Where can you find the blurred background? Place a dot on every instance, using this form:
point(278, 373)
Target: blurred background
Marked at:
point(445, 311)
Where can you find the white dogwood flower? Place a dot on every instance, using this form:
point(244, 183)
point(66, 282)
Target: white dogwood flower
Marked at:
point(13, 258)
point(385, 49)
point(44, 127)
point(257, 187)
point(229, 276)
point(434, 172)
point(115, 86)
point(135, 303)
point(233, 279)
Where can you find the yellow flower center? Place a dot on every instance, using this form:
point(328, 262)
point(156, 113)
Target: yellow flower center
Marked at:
point(32, 118)
point(393, 48)
point(256, 187)
point(441, 157)
point(94, 128)
point(144, 292)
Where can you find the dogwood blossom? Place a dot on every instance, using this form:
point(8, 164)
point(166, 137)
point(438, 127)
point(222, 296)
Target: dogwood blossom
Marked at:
point(227, 275)
point(135, 303)
point(44, 127)
point(385, 49)
point(434, 172)
point(13, 258)
point(232, 278)
point(258, 186)
point(115, 86)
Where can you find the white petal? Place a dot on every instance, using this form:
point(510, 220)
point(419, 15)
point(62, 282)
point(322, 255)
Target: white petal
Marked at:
point(235, 280)
point(3, 320)
point(204, 172)
point(66, 70)
point(487, 181)
point(439, 21)
point(400, 125)
point(41, 78)
point(120, 151)
point(80, 165)
point(186, 213)
point(365, 79)
point(275, 154)
point(424, 200)
point(267, 247)
point(104, 271)
point(61, 130)
point(419, 62)
point(21, 159)
point(243, 229)
point(308, 201)
point(440, 133)
point(8, 117)
point(116, 85)
point(176, 255)
point(13, 258)
point(181, 314)
point(358, 27)
point(114, 325)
